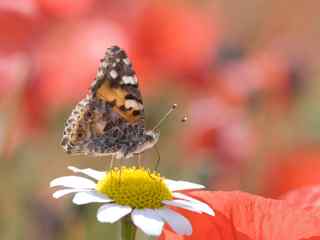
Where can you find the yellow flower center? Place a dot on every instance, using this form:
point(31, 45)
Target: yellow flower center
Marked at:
point(134, 187)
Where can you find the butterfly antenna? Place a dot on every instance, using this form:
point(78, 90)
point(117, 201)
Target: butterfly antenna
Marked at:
point(173, 107)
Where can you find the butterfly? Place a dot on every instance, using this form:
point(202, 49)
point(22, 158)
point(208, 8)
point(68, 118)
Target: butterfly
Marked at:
point(110, 119)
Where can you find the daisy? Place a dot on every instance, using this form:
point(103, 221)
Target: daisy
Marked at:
point(144, 195)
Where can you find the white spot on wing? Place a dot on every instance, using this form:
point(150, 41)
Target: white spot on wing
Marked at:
point(133, 103)
point(113, 74)
point(129, 80)
point(104, 64)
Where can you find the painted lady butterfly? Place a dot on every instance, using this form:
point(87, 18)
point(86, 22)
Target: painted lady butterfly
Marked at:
point(110, 119)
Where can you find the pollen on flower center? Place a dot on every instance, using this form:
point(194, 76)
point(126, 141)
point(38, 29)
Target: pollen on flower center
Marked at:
point(134, 187)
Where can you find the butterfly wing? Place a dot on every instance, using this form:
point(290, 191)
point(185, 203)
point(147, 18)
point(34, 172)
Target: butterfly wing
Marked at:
point(111, 117)
point(116, 83)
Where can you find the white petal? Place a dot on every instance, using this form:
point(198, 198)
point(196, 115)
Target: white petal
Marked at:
point(90, 197)
point(62, 192)
point(111, 213)
point(177, 222)
point(182, 204)
point(97, 175)
point(203, 207)
point(181, 185)
point(73, 182)
point(148, 220)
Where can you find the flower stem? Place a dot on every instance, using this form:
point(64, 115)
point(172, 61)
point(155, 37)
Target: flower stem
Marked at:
point(128, 229)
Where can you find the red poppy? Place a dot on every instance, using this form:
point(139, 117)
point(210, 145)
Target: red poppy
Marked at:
point(306, 197)
point(224, 131)
point(244, 216)
point(18, 25)
point(263, 75)
point(294, 169)
point(173, 40)
point(66, 8)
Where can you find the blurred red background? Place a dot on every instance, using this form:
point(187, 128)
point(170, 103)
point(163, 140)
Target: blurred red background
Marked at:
point(245, 73)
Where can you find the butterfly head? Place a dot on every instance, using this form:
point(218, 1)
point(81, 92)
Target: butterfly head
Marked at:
point(151, 138)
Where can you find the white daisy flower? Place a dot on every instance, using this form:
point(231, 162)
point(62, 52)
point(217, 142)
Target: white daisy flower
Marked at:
point(144, 195)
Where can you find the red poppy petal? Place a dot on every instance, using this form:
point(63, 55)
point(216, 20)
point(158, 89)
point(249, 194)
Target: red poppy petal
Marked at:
point(245, 216)
point(306, 197)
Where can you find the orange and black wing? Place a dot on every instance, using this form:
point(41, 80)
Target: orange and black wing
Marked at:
point(116, 84)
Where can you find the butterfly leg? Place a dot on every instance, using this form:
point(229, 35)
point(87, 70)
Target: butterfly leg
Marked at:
point(139, 160)
point(157, 161)
point(120, 163)
point(111, 162)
